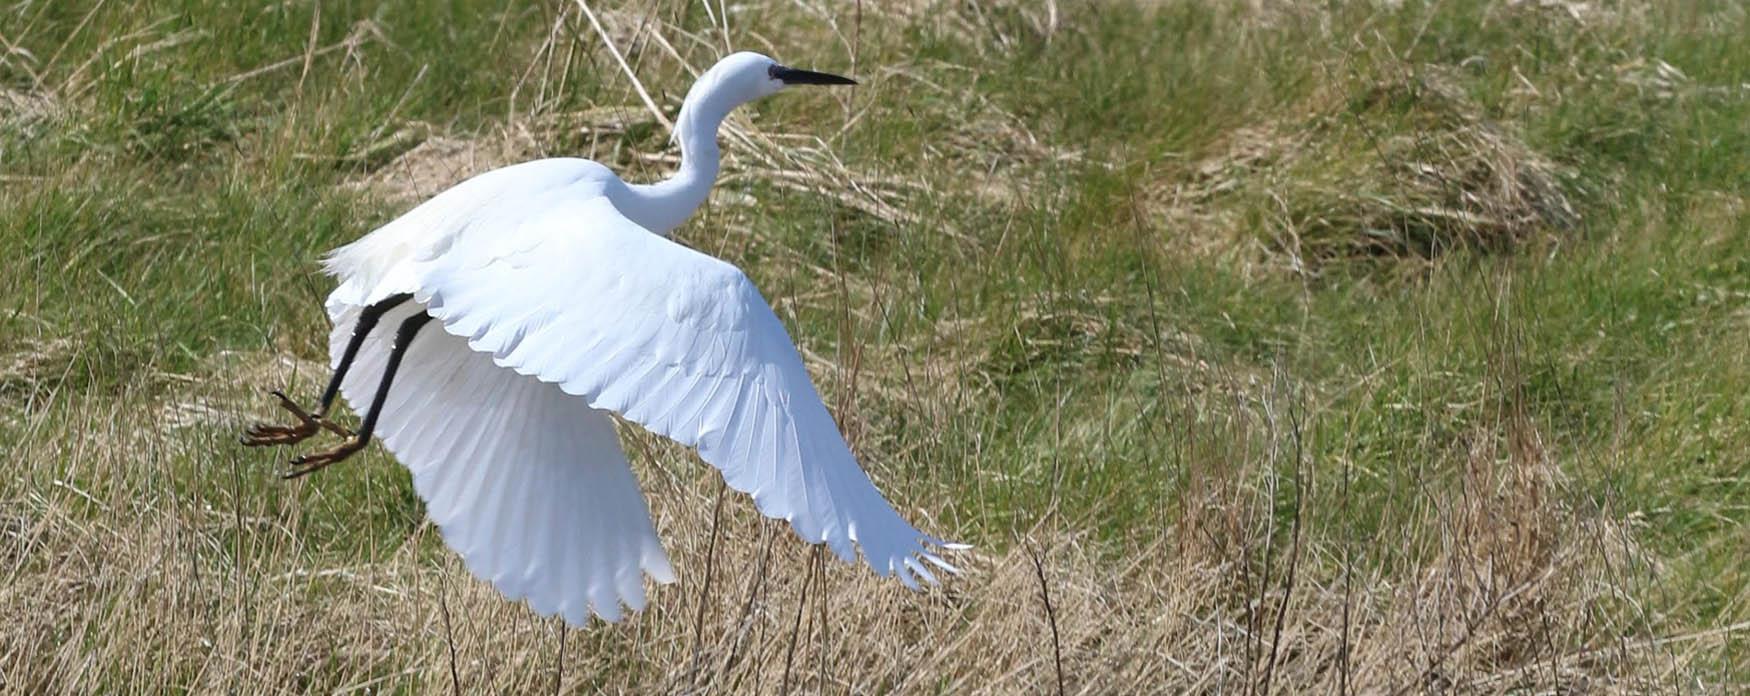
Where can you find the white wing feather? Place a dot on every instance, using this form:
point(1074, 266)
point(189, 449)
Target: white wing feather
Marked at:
point(528, 484)
point(567, 290)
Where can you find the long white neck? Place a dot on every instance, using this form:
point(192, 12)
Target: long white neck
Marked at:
point(663, 206)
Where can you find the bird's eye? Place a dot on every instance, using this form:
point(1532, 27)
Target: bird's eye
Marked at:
point(773, 70)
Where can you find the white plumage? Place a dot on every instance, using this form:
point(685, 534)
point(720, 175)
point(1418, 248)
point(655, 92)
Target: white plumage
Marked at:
point(560, 299)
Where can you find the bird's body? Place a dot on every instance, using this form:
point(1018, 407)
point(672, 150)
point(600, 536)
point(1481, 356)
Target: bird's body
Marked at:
point(560, 301)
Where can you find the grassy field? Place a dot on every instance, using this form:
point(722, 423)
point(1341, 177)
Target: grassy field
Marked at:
point(1374, 347)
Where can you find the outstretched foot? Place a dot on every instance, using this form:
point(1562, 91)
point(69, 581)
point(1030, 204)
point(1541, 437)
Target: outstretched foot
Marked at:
point(311, 463)
point(264, 434)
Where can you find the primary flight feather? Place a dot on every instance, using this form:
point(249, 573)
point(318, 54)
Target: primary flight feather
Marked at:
point(557, 299)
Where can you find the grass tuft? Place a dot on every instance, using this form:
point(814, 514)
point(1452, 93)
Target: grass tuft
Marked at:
point(1406, 170)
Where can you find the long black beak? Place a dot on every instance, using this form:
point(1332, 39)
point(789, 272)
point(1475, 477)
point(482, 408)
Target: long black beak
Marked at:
point(796, 76)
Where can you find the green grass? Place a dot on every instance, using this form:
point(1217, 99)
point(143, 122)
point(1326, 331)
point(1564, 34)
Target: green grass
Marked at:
point(1360, 280)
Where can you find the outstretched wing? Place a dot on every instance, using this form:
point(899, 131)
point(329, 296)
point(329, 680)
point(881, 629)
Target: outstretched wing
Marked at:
point(678, 342)
point(527, 483)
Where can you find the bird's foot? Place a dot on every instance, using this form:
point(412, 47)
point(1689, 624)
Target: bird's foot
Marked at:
point(262, 434)
point(311, 463)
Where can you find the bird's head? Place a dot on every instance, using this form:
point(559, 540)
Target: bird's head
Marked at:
point(748, 76)
point(737, 79)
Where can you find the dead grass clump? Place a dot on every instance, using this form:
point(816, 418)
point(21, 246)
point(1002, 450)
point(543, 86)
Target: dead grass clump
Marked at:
point(23, 111)
point(30, 363)
point(413, 163)
point(429, 164)
point(259, 370)
point(1013, 163)
point(759, 612)
point(206, 573)
point(1405, 170)
point(1151, 621)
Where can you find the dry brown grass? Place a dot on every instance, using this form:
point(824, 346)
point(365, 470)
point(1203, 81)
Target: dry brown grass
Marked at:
point(1404, 170)
point(114, 578)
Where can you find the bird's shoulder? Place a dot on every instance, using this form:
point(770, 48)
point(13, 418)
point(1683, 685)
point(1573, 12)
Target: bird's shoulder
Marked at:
point(510, 184)
point(516, 190)
point(552, 169)
point(485, 214)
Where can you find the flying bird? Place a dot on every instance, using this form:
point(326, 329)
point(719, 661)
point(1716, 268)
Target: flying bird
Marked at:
point(487, 334)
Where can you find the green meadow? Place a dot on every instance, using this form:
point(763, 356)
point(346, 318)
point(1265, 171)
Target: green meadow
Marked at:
point(1347, 347)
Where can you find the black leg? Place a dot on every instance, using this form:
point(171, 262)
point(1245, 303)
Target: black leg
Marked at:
point(308, 423)
point(403, 339)
point(367, 321)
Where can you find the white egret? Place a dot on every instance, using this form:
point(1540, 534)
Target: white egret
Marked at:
point(561, 299)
